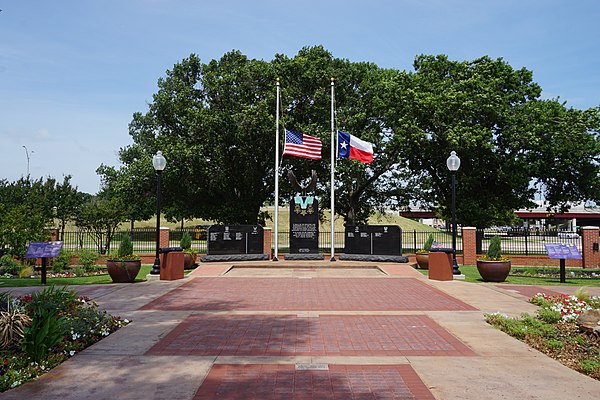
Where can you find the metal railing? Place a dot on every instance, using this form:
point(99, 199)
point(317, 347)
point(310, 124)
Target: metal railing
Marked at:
point(143, 240)
point(525, 241)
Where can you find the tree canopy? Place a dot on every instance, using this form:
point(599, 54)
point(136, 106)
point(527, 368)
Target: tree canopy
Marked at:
point(215, 124)
point(29, 206)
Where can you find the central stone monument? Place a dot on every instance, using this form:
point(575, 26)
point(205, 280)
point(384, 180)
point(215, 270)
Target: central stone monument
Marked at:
point(304, 221)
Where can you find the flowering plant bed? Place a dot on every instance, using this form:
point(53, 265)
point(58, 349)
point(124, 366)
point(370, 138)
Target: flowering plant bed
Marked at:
point(554, 331)
point(58, 324)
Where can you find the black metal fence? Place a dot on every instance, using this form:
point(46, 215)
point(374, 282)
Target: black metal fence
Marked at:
point(143, 240)
point(513, 242)
point(525, 241)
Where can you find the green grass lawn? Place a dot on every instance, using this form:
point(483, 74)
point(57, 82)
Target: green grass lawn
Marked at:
point(86, 280)
point(472, 275)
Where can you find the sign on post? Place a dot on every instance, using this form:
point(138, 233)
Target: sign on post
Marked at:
point(43, 250)
point(562, 251)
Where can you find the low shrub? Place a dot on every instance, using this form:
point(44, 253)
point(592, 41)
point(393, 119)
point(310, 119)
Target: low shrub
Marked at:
point(26, 271)
point(63, 261)
point(9, 266)
point(87, 259)
point(46, 331)
point(13, 323)
point(549, 316)
point(589, 366)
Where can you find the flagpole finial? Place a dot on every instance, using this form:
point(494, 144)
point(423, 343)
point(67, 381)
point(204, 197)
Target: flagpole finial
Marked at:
point(332, 80)
point(277, 80)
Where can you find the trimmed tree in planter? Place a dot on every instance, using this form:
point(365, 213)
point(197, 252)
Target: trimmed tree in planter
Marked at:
point(125, 267)
point(422, 255)
point(189, 255)
point(493, 266)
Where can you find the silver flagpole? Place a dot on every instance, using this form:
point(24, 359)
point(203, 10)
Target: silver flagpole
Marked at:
point(276, 230)
point(332, 173)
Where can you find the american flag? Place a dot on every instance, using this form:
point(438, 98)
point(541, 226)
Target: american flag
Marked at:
point(301, 145)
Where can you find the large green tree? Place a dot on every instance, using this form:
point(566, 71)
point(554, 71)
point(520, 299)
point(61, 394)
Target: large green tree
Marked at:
point(214, 123)
point(507, 138)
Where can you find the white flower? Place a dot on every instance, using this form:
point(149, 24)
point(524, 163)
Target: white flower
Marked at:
point(72, 353)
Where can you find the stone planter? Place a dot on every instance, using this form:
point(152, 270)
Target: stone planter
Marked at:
point(493, 271)
point(422, 260)
point(123, 271)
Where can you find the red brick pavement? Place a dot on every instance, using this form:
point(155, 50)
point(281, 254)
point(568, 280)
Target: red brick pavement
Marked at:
point(528, 291)
point(295, 294)
point(331, 335)
point(347, 382)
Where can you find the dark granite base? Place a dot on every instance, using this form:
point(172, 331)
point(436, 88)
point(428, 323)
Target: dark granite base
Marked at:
point(373, 257)
point(306, 256)
point(234, 257)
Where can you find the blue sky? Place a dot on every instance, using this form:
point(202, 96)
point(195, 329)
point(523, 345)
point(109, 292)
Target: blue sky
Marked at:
point(72, 72)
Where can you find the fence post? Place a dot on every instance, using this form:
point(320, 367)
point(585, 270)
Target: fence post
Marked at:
point(415, 240)
point(589, 244)
point(469, 245)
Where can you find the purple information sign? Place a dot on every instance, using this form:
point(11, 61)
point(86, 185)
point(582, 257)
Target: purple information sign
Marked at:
point(561, 250)
point(43, 249)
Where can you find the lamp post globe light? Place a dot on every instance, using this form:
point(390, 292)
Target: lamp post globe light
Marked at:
point(159, 163)
point(453, 164)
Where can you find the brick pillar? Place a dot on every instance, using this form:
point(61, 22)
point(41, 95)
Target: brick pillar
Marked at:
point(163, 239)
point(590, 238)
point(267, 244)
point(469, 245)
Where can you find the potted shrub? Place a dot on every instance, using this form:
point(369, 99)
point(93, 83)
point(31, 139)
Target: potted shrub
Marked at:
point(189, 255)
point(422, 255)
point(493, 267)
point(125, 267)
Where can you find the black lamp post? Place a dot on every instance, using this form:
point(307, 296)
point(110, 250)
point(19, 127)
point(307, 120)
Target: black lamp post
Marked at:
point(159, 163)
point(453, 163)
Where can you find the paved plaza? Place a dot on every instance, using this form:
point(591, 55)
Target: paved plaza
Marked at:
point(310, 330)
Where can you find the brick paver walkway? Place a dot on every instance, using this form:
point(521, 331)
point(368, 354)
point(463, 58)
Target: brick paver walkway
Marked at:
point(297, 294)
point(528, 291)
point(347, 382)
point(332, 335)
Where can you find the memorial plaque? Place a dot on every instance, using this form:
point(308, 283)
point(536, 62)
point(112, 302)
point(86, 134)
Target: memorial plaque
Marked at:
point(373, 240)
point(304, 225)
point(235, 239)
point(43, 249)
point(561, 250)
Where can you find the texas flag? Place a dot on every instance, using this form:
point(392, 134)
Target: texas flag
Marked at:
point(352, 147)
